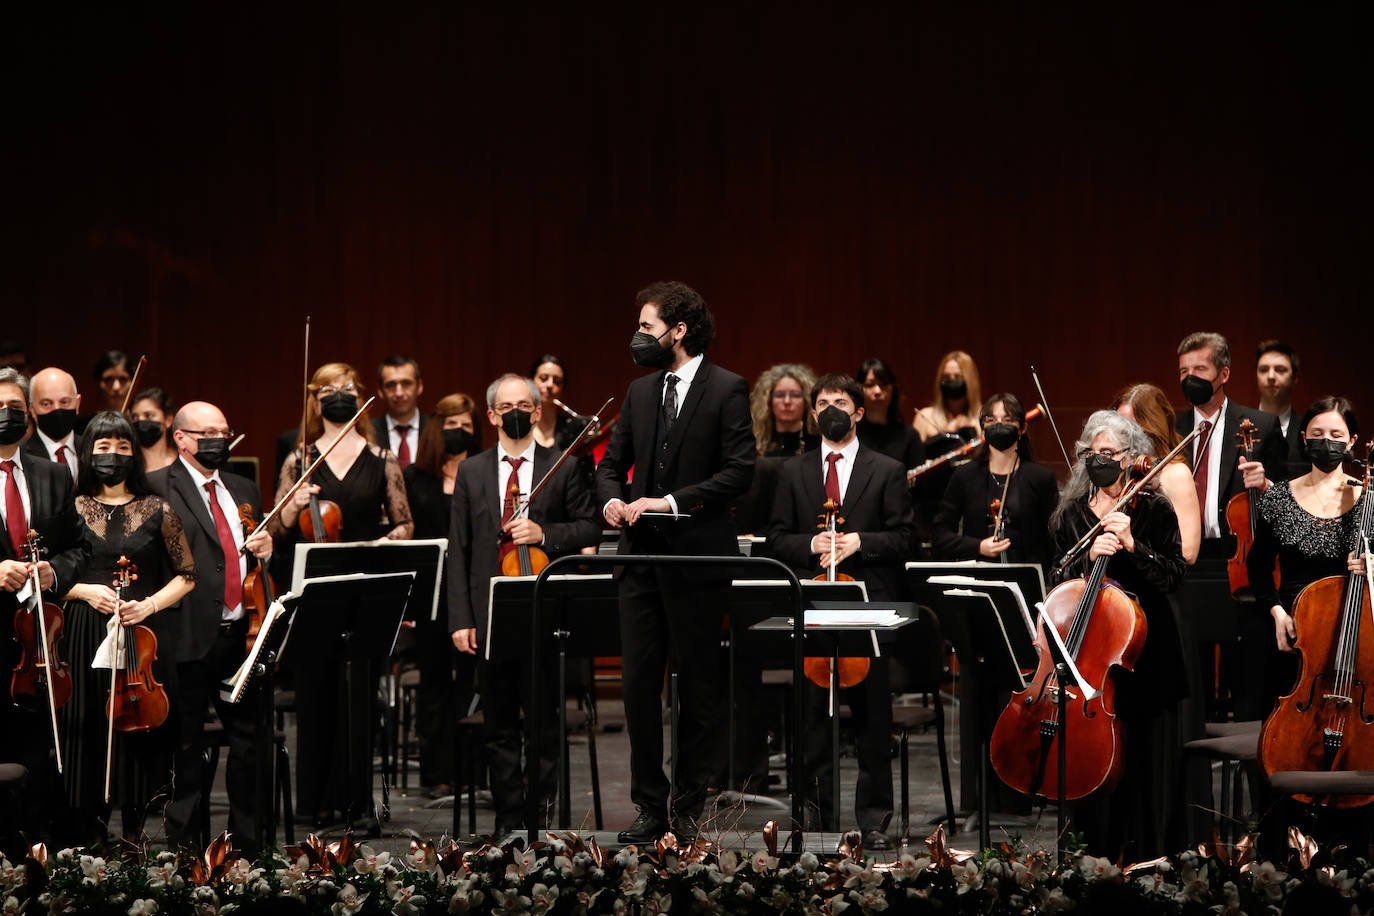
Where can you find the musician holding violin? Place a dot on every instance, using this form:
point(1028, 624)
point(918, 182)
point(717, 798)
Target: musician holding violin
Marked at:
point(492, 520)
point(215, 617)
point(876, 539)
point(125, 520)
point(1139, 815)
point(998, 506)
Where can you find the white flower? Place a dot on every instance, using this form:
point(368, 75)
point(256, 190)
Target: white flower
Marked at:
point(870, 900)
point(350, 901)
point(295, 871)
point(93, 867)
point(542, 899)
point(11, 905)
point(626, 858)
point(1054, 900)
point(1101, 869)
point(371, 861)
point(865, 878)
point(746, 890)
point(164, 875)
point(909, 867)
point(762, 862)
point(1267, 880)
point(510, 904)
point(464, 897)
point(143, 908)
point(658, 903)
point(239, 872)
point(729, 862)
point(426, 859)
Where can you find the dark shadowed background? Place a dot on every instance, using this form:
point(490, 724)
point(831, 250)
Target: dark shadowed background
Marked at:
point(478, 183)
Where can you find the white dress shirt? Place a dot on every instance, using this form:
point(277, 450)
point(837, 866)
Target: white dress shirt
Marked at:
point(22, 481)
point(1211, 509)
point(526, 477)
point(1284, 419)
point(231, 515)
point(685, 375)
point(844, 467)
point(52, 446)
point(412, 434)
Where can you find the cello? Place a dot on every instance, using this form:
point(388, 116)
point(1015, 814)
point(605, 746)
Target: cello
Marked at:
point(1242, 510)
point(850, 670)
point(138, 703)
point(40, 673)
point(1326, 724)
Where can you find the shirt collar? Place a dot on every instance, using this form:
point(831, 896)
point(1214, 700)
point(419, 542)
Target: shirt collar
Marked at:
point(1217, 417)
point(199, 477)
point(849, 451)
point(53, 443)
point(688, 370)
point(18, 460)
point(527, 454)
point(412, 423)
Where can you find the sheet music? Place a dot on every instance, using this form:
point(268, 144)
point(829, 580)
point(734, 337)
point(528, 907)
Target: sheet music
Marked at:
point(240, 678)
point(862, 618)
point(1014, 588)
point(1006, 637)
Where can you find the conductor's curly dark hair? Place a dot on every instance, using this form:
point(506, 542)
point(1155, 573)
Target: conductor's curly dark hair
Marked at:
point(678, 302)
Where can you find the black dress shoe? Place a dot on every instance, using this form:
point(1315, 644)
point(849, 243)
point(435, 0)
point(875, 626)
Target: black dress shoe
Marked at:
point(876, 840)
point(646, 829)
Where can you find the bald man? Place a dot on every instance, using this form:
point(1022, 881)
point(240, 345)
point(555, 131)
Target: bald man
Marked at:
point(214, 641)
point(54, 402)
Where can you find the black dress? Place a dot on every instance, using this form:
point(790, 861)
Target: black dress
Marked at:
point(149, 533)
point(964, 518)
point(1143, 816)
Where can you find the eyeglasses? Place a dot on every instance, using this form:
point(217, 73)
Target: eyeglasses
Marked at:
point(988, 421)
point(211, 433)
point(1114, 454)
point(327, 390)
point(507, 408)
point(788, 396)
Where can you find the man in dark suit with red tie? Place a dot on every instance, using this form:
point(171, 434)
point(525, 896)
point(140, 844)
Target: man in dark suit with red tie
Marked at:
point(399, 428)
point(35, 494)
point(215, 625)
point(685, 432)
point(873, 545)
point(560, 520)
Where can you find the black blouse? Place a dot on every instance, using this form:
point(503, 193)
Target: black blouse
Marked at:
point(895, 440)
point(429, 504)
point(1149, 574)
point(964, 517)
point(1308, 548)
point(371, 495)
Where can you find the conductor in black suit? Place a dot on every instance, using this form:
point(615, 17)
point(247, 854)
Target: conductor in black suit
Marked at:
point(561, 520)
point(873, 545)
point(685, 429)
point(215, 625)
point(35, 494)
point(1221, 471)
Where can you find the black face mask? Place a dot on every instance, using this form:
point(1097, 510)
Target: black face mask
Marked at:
point(147, 432)
point(458, 440)
point(953, 388)
point(1001, 436)
point(111, 469)
point(1103, 471)
point(213, 454)
point(1325, 454)
point(1198, 391)
point(834, 423)
point(339, 407)
point(56, 424)
point(13, 424)
point(647, 351)
point(516, 423)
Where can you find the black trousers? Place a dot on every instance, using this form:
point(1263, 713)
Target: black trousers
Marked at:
point(667, 617)
point(199, 689)
point(870, 705)
point(505, 689)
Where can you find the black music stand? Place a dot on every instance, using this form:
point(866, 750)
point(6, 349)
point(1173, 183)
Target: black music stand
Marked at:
point(587, 624)
point(360, 613)
point(425, 558)
point(993, 635)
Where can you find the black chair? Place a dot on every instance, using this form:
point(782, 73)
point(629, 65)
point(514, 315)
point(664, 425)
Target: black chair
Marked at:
point(1233, 745)
point(920, 655)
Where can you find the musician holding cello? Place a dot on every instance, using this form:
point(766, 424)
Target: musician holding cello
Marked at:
point(214, 619)
point(124, 518)
point(489, 521)
point(1137, 817)
point(875, 541)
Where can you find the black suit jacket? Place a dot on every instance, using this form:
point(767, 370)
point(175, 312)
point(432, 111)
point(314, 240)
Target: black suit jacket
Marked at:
point(1298, 464)
point(706, 466)
point(384, 434)
point(202, 609)
point(33, 447)
point(563, 508)
point(1272, 451)
point(877, 505)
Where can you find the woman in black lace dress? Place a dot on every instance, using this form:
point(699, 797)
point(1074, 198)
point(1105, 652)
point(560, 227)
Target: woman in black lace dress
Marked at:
point(366, 482)
point(123, 518)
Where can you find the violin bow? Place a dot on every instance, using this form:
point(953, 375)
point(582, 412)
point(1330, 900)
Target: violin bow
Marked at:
point(595, 420)
point(305, 393)
point(362, 411)
point(1212, 428)
point(129, 392)
point(37, 603)
point(1045, 402)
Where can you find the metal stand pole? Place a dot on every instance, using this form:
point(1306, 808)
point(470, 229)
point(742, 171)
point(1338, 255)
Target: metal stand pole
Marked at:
point(1062, 675)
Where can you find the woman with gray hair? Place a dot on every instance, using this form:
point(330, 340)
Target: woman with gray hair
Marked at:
point(1143, 816)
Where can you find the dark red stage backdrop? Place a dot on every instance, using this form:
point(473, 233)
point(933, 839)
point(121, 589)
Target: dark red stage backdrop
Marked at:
point(476, 184)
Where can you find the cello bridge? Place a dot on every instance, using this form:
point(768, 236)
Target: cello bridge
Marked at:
point(1337, 698)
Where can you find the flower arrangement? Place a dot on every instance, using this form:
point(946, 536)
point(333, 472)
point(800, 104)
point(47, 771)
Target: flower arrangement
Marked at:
point(569, 874)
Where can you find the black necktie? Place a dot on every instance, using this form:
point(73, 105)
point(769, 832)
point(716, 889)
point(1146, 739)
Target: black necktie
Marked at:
point(670, 400)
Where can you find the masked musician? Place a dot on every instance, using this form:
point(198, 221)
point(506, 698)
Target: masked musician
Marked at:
point(214, 622)
point(560, 520)
point(685, 430)
point(35, 494)
point(54, 403)
point(875, 541)
point(1151, 411)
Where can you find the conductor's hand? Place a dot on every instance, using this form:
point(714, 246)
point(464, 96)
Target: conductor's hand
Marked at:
point(615, 513)
point(299, 500)
point(1104, 545)
point(992, 547)
point(12, 575)
point(846, 545)
point(1285, 634)
point(466, 640)
point(645, 504)
point(260, 545)
point(524, 531)
point(1252, 473)
point(1119, 524)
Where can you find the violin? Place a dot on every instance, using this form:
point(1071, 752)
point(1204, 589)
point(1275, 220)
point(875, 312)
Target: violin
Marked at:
point(968, 448)
point(322, 522)
point(258, 590)
point(41, 673)
point(1101, 627)
point(138, 703)
point(1241, 512)
point(1326, 723)
point(850, 670)
point(998, 509)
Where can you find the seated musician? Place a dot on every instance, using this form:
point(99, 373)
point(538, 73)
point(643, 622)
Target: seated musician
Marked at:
point(875, 541)
point(957, 396)
point(560, 520)
point(1139, 818)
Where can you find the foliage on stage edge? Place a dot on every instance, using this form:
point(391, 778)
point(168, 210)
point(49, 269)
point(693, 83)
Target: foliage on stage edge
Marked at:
point(570, 874)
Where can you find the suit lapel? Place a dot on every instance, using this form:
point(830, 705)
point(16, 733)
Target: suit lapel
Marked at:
point(813, 482)
point(190, 495)
point(858, 478)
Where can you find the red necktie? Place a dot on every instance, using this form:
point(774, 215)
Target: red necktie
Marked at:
point(403, 450)
point(233, 585)
point(512, 490)
point(1200, 478)
point(832, 478)
point(15, 521)
point(62, 456)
